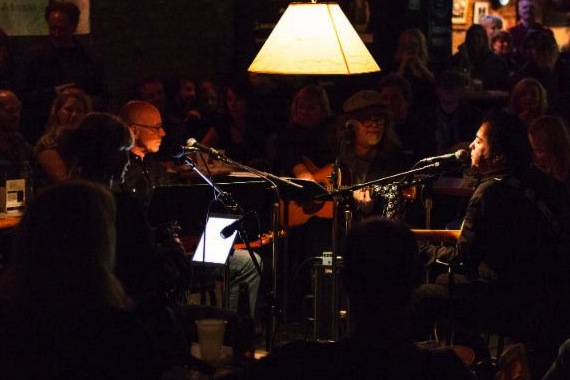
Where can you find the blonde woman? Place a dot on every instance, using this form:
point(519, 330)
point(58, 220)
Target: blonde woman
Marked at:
point(412, 63)
point(67, 110)
point(550, 143)
point(528, 99)
point(412, 55)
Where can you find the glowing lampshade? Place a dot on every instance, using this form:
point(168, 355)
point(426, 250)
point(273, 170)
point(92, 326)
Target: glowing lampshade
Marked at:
point(314, 38)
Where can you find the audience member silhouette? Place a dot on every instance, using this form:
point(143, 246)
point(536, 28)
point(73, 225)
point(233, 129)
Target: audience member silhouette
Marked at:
point(307, 148)
point(502, 44)
point(550, 143)
point(525, 25)
point(58, 62)
point(378, 275)
point(456, 121)
point(543, 63)
point(67, 110)
point(412, 60)
point(183, 112)
point(211, 106)
point(242, 132)
point(560, 368)
point(528, 100)
point(398, 99)
point(492, 24)
point(475, 58)
point(150, 88)
point(209, 97)
point(308, 143)
point(99, 150)
point(15, 152)
point(63, 312)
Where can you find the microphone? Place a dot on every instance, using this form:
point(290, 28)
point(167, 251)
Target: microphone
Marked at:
point(349, 128)
point(228, 230)
point(461, 155)
point(193, 143)
point(181, 151)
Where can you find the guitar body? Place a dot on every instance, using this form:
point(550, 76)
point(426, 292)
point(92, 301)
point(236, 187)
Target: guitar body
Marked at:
point(299, 212)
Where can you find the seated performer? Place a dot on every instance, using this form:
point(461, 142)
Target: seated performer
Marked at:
point(373, 149)
point(513, 245)
point(145, 172)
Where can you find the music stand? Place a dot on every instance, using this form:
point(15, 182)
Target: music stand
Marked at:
point(213, 249)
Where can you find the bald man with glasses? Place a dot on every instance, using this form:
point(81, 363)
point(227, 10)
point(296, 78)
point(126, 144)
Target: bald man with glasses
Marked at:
point(145, 170)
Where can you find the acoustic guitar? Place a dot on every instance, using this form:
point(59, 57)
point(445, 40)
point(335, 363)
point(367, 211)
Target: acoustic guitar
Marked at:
point(299, 212)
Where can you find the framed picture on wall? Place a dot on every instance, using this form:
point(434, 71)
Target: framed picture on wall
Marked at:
point(459, 12)
point(480, 9)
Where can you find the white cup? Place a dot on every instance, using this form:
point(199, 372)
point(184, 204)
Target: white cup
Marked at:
point(210, 338)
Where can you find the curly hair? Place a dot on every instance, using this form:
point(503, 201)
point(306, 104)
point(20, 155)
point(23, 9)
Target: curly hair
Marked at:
point(507, 137)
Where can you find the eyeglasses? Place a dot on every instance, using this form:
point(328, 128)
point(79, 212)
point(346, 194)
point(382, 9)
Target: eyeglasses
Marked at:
point(155, 128)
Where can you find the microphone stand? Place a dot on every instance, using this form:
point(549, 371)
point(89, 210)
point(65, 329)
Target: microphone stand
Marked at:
point(225, 197)
point(379, 181)
point(337, 194)
point(335, 293)
point(272, 303)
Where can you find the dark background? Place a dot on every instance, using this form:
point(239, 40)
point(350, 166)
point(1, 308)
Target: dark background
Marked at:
point(215, 38)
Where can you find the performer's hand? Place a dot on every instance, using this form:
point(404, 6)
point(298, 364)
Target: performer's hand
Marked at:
point(363, 200)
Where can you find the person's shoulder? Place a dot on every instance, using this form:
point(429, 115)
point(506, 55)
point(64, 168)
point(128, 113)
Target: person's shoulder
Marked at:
point(491, 185)
point(296, 360)
point(39, 51)
point(517, 28)
point(442, 364)
point(45, 142)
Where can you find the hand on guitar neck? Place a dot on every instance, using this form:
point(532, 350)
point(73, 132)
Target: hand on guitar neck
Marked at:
point(363, 199)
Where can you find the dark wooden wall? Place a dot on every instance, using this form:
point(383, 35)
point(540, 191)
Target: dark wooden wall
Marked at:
point(134, 38)
point(213, 38)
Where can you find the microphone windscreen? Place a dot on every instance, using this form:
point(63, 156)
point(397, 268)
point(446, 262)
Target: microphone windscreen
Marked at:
point(463, 155)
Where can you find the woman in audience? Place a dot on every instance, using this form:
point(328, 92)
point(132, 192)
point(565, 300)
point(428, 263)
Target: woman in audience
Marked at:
point(66, 112)
point(475, 58)
point(63, 313)
point(492, 24)
point(528, 100)
point(543, 63)
point(306, 144)
point(242, 131)
point(550, 143)
point(502, 44)
point(412, 60)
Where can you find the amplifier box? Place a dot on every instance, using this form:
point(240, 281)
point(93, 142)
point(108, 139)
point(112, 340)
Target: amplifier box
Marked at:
point(322, 302)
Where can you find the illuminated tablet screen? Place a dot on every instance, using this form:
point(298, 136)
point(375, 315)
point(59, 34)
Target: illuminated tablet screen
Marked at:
point(213, 249)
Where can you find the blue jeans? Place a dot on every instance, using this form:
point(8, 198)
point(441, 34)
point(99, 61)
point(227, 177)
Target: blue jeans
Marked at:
point(242, 269)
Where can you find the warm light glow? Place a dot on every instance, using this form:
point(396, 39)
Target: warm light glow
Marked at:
point(314, 38)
